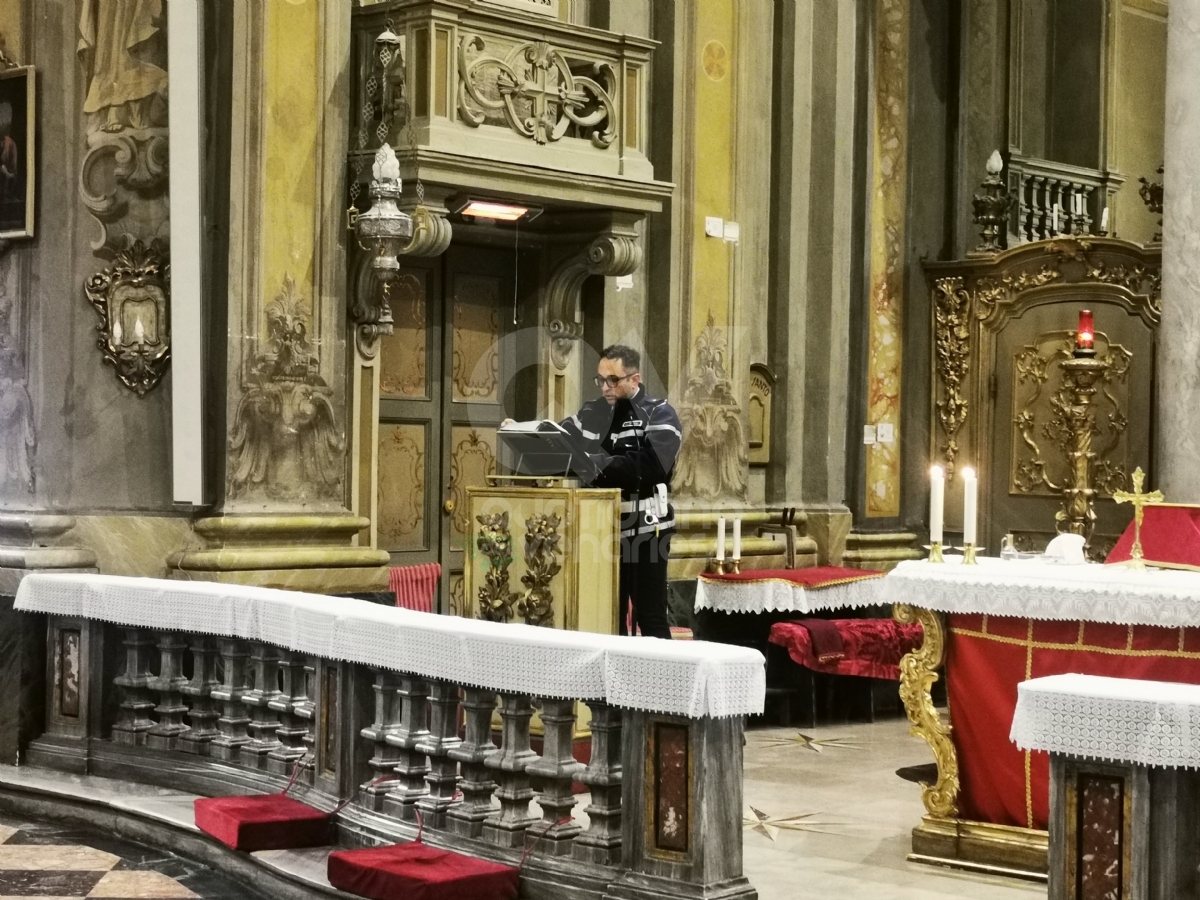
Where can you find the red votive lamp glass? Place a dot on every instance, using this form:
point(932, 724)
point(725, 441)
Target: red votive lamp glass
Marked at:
point(1085, 336)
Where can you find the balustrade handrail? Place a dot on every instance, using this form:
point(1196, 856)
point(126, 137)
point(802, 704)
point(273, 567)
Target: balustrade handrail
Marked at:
point(692, 679)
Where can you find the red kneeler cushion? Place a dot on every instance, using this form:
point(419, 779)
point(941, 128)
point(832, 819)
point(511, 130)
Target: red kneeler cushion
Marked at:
point(419, 872)
point(263, 822)
point(871, 647)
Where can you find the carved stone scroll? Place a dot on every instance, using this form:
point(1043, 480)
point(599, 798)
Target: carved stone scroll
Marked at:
point(536, 91)
point(541, 565)
point(609, 255)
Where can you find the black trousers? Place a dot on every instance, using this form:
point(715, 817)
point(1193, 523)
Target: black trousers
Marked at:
point(644, 583)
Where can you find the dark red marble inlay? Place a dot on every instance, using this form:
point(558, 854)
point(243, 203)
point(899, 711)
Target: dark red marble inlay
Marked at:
point(671, 787)
point(1101, 825)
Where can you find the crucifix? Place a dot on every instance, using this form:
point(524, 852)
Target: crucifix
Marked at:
point(1139, 501)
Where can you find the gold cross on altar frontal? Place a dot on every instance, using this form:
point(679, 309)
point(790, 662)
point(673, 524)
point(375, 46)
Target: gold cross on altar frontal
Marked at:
point(1139, 501)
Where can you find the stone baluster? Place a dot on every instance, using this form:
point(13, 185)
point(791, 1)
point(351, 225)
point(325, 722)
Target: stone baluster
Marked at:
point(133, 719)
point(306, 711)
point(442, 779)
point(231, 725)
point(466, 818)
point(264, 721)
point(507, 826)
point(169, 684)
point(414, 729)
point(556, 770)
point(203, 715)
point(387, 721)
point(601, 843)
point(292, 729)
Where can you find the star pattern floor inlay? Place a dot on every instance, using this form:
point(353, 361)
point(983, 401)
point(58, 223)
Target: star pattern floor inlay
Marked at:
point(45, 861)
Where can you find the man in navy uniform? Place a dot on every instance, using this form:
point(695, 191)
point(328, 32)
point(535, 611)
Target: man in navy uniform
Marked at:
point(634, 439)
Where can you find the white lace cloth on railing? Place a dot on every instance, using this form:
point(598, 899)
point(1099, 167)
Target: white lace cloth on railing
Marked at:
point(779, 595)
point(1153, 723)
point(687, 678)
point(1032, 589)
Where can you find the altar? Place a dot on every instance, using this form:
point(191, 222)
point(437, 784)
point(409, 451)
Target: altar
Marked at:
point(992, 626)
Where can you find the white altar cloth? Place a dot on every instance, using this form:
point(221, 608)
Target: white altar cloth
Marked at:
point(1154, 723)
point(687, 678)
point(1032, 589)
point(778, 595)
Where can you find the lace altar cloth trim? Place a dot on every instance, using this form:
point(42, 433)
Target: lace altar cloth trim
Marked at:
point(691, 678)
point(1153, 723)
point(777, 595)
point(1031, 589)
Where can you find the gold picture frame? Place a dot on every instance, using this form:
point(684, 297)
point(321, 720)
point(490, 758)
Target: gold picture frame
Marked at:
point(18, 152)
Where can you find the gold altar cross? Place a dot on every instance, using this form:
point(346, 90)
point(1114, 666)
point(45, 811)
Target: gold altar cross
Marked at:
point(1139, 501)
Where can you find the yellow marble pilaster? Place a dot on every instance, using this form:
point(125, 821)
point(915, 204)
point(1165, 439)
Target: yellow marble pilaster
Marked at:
point(885, 304)
point(10, 30)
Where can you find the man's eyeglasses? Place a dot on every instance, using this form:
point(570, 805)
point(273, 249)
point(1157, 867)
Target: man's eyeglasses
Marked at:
point(611, 380)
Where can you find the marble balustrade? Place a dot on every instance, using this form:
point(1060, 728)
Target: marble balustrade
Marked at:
point(224, 715)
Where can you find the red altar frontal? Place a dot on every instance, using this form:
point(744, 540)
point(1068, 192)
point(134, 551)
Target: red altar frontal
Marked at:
point(987, 656)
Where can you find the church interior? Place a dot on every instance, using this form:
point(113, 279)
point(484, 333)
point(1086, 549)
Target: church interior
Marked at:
point(601, 449)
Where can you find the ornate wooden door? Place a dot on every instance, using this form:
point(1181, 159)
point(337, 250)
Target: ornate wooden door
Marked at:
point(442, 382)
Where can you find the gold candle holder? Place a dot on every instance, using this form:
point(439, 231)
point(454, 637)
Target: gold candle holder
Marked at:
point(969, 555)
point(935, 552)
point(714, 566)
point(733, 566)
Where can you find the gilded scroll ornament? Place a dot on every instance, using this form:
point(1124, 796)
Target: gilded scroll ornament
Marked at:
point(611, 255)
point(131, 299)
point(952, 350)
point(495, 543)
point(541, 565)
point(918, 671)
point(536, 91)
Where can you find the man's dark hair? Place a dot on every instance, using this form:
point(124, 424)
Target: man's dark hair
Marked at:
point(630, 358)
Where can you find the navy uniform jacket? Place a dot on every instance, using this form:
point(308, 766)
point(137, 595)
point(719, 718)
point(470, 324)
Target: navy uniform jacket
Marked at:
point(634, 442)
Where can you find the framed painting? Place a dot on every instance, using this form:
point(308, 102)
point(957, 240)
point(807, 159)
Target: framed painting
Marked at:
point(18, 161)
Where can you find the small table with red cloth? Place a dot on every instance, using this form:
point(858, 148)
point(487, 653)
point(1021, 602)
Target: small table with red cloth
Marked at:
point(993, 626)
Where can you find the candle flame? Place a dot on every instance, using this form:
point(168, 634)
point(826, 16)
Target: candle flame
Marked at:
point(937, 472)
point(968, 473)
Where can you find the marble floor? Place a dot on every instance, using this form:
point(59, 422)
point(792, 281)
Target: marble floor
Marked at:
point(52, 862)
point(827, 816)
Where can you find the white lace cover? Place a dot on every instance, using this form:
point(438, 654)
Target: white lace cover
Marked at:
point(779, 595)
point(687, 678)
point(1032, 589)
point(1153, 723)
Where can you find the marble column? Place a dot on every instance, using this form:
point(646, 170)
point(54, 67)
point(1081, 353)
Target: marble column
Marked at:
point(1178, 375)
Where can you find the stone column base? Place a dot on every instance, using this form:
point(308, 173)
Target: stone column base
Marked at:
point(296, 552)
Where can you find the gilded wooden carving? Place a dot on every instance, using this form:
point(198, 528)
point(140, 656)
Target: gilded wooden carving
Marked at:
point(495, 543)
point(918, 671)
point(130, 297)
point(713, 459)
point(1043, 411)
point(536, 91)
point(285, 419)
point(541, 565)
point(952, 354)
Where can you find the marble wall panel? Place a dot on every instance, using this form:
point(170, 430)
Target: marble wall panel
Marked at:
point(131, 545)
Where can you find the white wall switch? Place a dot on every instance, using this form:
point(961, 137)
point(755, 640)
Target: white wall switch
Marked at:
point(886, 433)
point(732, 232)
point(868, 434)
point(714, 226)
point(624, 282)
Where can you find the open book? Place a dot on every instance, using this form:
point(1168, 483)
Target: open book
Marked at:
point(534, 426)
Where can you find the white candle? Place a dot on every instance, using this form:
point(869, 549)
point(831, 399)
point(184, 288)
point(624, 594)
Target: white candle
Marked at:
point(737, 538)
point(720, 538)
point(937, 501)
point(970, 504)
point(1104, 220)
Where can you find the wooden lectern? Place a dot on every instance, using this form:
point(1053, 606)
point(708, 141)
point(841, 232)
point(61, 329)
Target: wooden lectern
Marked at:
point(543, 555)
